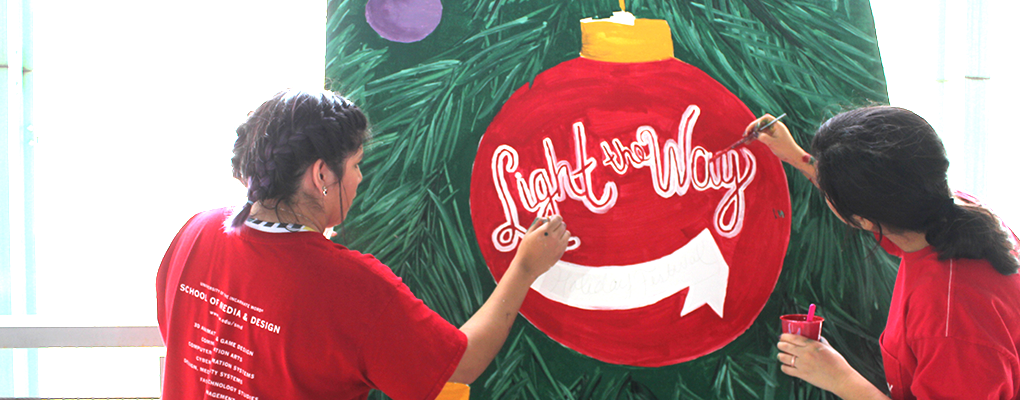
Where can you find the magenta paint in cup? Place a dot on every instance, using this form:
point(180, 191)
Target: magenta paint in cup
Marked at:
point(798, 324)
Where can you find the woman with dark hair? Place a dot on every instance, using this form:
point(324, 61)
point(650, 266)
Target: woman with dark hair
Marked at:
point(953, 330)
point(255, 302)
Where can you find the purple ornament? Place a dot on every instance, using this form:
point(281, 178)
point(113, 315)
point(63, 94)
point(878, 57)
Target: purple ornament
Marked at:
point(403, 21)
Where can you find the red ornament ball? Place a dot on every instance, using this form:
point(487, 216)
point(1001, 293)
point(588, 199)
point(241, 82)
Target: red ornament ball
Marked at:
point(673, 253)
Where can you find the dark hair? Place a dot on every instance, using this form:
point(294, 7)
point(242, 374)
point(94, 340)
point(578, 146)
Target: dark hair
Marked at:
point(887, 165)
point(286, 135)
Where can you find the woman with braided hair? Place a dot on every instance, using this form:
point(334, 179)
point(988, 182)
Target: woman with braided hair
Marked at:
point(953, 330)
point(255, 302)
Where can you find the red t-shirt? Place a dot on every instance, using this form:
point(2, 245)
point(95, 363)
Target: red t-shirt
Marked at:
point(248, 314)
point(953, 330)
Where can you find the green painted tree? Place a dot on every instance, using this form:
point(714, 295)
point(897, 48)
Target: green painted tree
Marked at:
point(430, 101)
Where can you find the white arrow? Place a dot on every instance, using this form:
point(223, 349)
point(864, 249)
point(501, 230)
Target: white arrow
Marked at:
point(698, 265)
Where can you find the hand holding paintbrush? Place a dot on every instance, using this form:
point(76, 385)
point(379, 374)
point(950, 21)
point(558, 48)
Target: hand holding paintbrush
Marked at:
point(777, 137)
point(750, 134)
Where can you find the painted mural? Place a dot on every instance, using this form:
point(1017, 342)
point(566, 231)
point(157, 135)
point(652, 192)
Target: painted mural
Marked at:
point(489, 114)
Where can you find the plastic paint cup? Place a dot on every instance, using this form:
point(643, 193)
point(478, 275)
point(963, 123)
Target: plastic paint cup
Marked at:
point(797, 324)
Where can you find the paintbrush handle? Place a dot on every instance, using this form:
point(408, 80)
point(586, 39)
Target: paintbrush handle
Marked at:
point(750, 136)
point(744, 140)
point(759, 130)
point(754, 134)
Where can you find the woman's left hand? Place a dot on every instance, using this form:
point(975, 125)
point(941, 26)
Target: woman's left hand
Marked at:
point(813, 361)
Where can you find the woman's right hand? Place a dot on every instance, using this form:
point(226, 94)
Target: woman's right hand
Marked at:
point(542, 246)
point(486, 330)
point(778, 138)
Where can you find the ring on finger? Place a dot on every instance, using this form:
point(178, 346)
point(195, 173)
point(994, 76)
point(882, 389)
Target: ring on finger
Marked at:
point(793, 362)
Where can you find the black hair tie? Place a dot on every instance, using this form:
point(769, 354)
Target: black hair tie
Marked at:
point(948, 206)
point(941, 214)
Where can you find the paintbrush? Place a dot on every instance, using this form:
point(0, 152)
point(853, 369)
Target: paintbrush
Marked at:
point(746, 139)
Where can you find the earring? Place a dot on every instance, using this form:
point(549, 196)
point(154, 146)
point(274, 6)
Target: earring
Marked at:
point(323, 190)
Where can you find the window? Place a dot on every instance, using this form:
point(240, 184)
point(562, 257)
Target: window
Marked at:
point(135, 106)
point(941, 82)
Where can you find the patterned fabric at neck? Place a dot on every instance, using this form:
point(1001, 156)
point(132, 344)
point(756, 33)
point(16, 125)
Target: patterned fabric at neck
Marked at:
point(276, 227)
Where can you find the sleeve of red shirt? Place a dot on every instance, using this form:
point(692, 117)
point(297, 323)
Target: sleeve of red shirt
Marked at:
point(411, 351)
point(986, 374)
point(164, 277)
point(961, 344)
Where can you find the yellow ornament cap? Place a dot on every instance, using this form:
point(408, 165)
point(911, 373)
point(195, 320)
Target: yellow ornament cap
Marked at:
point(625, 39)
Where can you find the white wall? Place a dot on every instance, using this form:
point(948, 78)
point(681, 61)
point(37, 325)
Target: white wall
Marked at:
point(136, 106)
point(908, 37)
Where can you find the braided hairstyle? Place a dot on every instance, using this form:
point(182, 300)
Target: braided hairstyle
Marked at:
point(887, 165)
point(286, 135)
